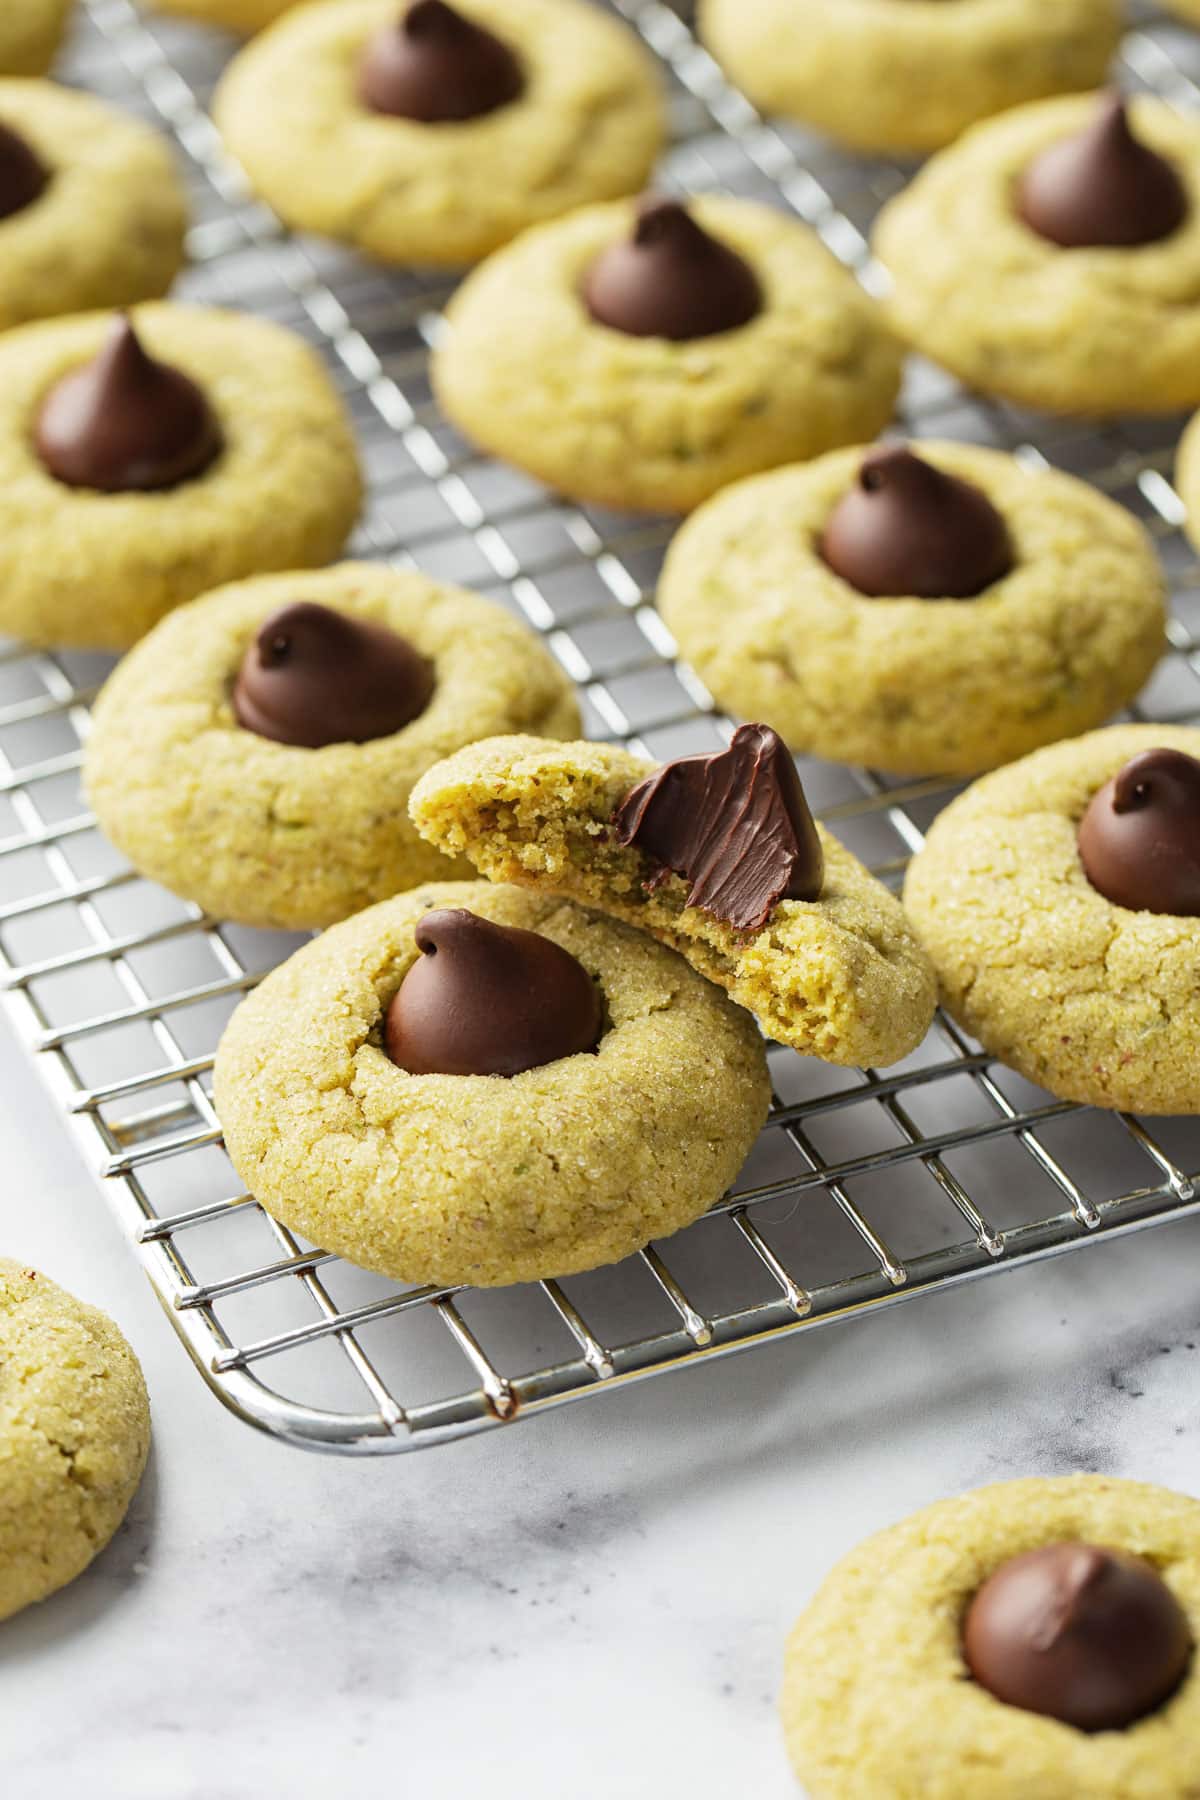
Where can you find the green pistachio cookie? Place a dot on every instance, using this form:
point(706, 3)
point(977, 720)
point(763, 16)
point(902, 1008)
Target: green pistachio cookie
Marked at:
point(281, 834)
point(1066, 634)
point(30, 34)
point(74, 1435)
point(487, 1179)
point(878, 1697)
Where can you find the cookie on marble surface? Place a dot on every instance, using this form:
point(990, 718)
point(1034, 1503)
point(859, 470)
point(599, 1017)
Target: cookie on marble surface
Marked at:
point(432, 135)
point(1095, 309)
point(873, 611)
point(433, 1172)
point(142, 465)
point(884, 1682)
point(645, 356)
point(1047, 952)
point(223, 758)
point(809, 942)
point(880, 77)
point(30, 34)
point(74, 1435)
point(92, 212)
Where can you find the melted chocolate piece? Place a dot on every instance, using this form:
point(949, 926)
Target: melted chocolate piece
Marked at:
point(314, 676)
point(23, 175)
point(907, 528)
point(1102, 186)
point(1139, 840)
point(436, 66)
point(1093, 1637)
point(735, 824)
point(485, 999)
point(125, 423)
point(670, 279)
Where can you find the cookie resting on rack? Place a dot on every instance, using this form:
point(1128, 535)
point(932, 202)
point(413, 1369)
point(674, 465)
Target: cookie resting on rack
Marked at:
point(144, 460)
point(471, 1084)
point(1052, 256)
point(74, 1435)
point(716, 856)
point(1035, 1637)
point(241, 16)
point(643, 355)
point(879, 77)
point(1060, 902)
point(929, 609)
point(30, 34)
point(256, 752)
point(432, 133)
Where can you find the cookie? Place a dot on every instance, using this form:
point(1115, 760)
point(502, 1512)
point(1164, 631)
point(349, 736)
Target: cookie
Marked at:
point(1097, 1001)
point(879, 1697)
point(1095, 311)
point(92, 213)
point(1065, 633)
point(876, 77)
point(839, 976)
point(234, 449)
point(30, 34)
point(1187, 477)
point(394, 135)
point(660, 411)
point(486, 1178)
point(241, 16)
point(289, 834)
point(74, 1435)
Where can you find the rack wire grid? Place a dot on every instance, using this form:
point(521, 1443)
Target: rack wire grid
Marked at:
point(863, 1190)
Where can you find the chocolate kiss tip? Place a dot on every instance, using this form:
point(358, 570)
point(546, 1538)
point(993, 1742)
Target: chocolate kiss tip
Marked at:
point(488, 999)
point(437, 66)
point(1139, 840)
point(315, 676)
point(23, 175)
point(1102, 187)
point(670, 278)
point(909, 529)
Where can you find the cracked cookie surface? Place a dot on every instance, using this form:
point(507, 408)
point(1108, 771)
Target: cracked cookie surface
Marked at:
point(487, 1179)
point(1094, 1002)
point(841, 977)
point(644, 422)
point(587, 126)
point(30, 34)
point(74, 1434)
point(877, 1698)
point(916, 686)
point(270, 834)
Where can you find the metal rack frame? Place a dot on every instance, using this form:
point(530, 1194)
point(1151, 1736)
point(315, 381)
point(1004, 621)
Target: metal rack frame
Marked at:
point(865, 1189)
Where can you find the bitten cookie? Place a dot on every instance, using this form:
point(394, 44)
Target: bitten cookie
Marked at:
point(635, 1093)
point(645, 357)
point(1034, 1637)
point(836, 974)
point(1048, 951)
point(74, 1435)
point(935, 609)
point(1052, 256)
point(140, 467)
point(256, 752)
point(880, 77)
point(92, 213)
point(430, 134)
point(30, 34)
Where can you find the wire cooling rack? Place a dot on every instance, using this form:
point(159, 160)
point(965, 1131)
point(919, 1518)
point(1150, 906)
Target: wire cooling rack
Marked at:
point(863, 1190)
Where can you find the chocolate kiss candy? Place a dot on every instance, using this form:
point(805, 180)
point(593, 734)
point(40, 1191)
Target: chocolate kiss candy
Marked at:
point(485, 999)
point(314, 676)
point(907, 528)
point(436, 66)
point(670, 279)
point(1139, 840)
point(1093, 1637)
point(125, 422)
point(735, 824)
point(23, 177)
point(1102, 186)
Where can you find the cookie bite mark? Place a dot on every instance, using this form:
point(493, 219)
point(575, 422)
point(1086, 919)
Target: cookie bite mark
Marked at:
point(1139, 840)
point(1102, 186)
point(671, 279)
point(436, 66)
point(315, 676)
point(24, 178)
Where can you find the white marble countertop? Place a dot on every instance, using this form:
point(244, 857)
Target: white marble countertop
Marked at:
point(591, 1604)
